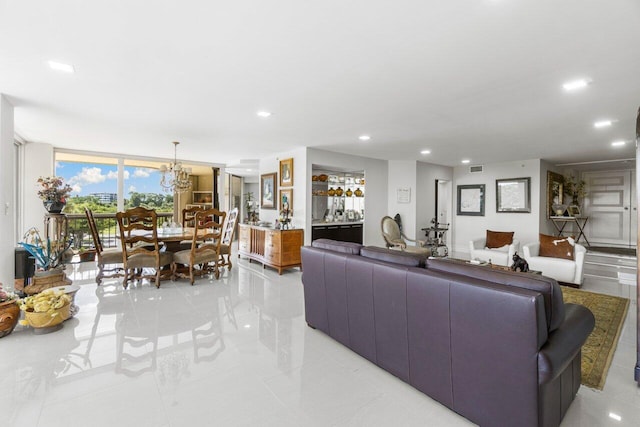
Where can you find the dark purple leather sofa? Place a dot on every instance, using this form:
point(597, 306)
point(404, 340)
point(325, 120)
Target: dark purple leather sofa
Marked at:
point(499, 348)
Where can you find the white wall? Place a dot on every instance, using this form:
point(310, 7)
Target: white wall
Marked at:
point(376, 184)
point(272, 164)
point(7, 188)
point(39, 162)
point(525, 225)
point(402, 175)
point(426, 176)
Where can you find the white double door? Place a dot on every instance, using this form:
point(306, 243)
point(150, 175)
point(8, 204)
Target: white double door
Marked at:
point(611, 205)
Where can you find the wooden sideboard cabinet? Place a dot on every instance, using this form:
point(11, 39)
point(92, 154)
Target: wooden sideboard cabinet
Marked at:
point(279, 249)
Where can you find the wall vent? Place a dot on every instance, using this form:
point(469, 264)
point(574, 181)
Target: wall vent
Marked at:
point(476, 168)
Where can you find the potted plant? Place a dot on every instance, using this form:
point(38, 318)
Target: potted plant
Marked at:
point(576, 188)
point(87, 254)
point(53, 192)
point(9, 312)
point(50, 256)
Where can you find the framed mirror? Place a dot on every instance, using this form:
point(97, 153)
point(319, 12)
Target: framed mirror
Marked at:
point(555, 194)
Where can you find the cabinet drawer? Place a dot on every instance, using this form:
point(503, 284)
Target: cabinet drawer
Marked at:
point(272, 257)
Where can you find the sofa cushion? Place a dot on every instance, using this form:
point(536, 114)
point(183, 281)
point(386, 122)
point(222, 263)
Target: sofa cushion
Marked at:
point(549, 288)
point(497, 239)
point(337, 246)
point(396, 257)
point(555, 247)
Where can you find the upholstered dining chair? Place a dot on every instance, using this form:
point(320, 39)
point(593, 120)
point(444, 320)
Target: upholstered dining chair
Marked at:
point(109, 257)
point(227, 239)
point(395, 239)
point(205, 246)
point(140, 247)
point(188, 219)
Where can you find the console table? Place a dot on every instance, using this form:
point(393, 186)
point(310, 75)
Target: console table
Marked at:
point(560, 222)
point(279, 249)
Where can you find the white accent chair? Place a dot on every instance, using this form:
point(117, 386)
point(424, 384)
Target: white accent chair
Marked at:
point(500, 256)
point(563, 270)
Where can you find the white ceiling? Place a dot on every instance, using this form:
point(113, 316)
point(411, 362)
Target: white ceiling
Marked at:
point(477, 79)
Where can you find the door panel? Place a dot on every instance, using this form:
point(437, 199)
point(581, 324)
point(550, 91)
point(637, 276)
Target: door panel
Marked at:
point(609, 207)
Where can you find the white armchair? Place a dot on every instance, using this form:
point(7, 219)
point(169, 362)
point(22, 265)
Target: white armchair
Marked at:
point(499, 256)
point(563, 270)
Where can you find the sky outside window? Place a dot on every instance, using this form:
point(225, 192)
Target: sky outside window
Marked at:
point(92, 178)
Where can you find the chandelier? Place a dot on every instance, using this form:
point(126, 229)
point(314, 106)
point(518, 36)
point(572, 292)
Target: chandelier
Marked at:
point(175, 177)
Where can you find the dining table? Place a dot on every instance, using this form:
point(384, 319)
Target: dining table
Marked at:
point(172, 237)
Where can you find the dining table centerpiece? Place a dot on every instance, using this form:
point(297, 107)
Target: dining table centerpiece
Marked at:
point(9, 312)
point(53, 192)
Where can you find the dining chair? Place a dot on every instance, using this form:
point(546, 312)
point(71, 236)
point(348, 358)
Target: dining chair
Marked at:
point(108, 257)
point(227, 239)
point(205, 246)
point(140, 247)
point(188, 220)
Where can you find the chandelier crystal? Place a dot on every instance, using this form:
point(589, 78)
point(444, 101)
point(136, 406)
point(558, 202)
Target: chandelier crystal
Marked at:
point(175, 177)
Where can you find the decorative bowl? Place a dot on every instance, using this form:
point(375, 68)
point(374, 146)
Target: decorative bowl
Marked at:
point(9, 316)
point(48, 320)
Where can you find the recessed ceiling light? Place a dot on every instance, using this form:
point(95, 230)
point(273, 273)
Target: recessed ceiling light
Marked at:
point(615, 416)
point(248, 170)
point(465, 161)
point(425, 152)
point(364, 137)
point(59, 66)
point(602, 124)
point(576, 84)
point(263, 114)
point(247, 326)
point(618, 143)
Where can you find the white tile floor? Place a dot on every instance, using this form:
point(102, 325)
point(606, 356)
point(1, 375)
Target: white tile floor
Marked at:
point(232, 352)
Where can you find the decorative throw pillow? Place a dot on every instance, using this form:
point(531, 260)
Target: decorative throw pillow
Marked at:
point(497, 239)
point(556, 246)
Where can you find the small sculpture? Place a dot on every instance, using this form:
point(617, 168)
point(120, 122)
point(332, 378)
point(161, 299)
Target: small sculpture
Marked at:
point(519, 264)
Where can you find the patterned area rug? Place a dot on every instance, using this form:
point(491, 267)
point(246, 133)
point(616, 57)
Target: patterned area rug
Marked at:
point(598, 351)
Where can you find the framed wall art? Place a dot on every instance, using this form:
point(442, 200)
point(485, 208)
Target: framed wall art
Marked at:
point(513, 195)
point(286, 196)
point(471, 200)
point(268, 190)
point(286, 173)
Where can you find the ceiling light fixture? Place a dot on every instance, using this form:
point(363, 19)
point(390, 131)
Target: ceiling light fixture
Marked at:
point(602, 124)
point(59, 66)
point(576, 84)
point(364, 137)
point(263, 114)
point(615, 416)
point(175, 177)
point(466, 161)
point(618, 143)
point(425, 152)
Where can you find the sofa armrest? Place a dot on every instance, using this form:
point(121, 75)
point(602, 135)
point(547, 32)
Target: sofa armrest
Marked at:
point(565, 342)
point(579, 254)
point(531, 250)
point(477, 244)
